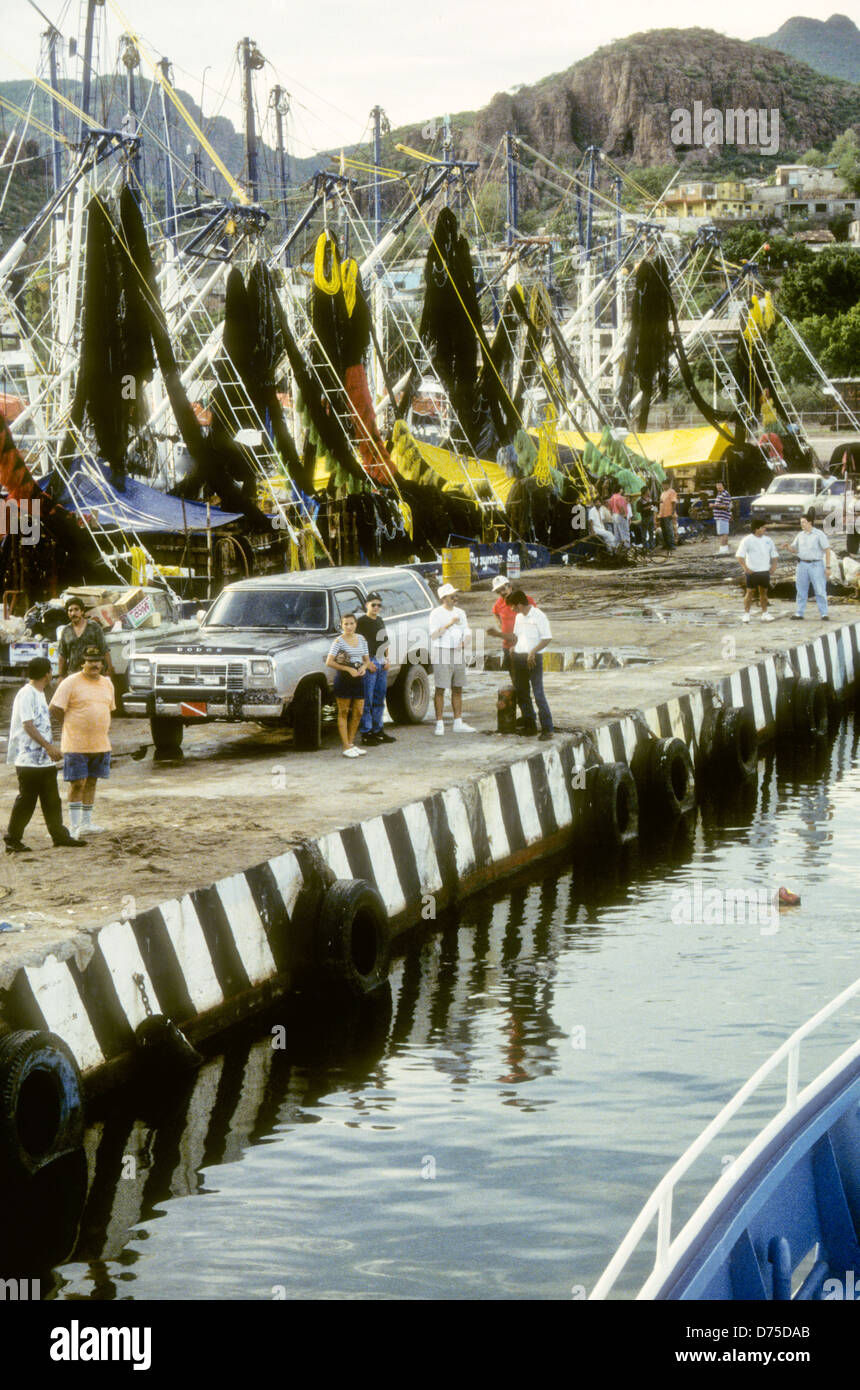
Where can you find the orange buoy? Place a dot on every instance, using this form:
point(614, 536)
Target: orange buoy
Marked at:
point(786, 898)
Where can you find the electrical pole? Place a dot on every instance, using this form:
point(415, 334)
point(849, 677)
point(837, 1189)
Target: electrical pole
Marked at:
point(252, 59)
point(376, 116)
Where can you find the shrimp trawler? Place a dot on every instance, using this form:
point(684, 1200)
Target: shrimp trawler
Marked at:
point(236, 378)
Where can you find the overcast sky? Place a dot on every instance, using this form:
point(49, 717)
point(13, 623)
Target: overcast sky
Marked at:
point(337, 61)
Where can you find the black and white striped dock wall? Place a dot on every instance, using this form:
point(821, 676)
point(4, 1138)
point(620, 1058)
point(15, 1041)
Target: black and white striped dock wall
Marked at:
point(218, 953)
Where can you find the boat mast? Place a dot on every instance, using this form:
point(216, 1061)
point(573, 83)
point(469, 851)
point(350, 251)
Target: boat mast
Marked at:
point(131, 60)
point(279, 102)
point(86, 77)
point(169, 182)
point(252, 59)
point(513, 191)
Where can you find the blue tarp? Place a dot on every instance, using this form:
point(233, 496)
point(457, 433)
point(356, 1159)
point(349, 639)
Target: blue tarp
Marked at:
point(135, 506)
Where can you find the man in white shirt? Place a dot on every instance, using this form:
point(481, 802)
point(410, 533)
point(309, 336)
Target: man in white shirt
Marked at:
point(813, 566)
point(758, 556)
point(598, 528)
point(35, 758)
point(449, 631)
point(532, 631)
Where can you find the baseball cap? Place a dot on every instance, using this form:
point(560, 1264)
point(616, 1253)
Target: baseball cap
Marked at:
point(373, 598)
point(500, 582)
point(92, 654)
point(446, 589)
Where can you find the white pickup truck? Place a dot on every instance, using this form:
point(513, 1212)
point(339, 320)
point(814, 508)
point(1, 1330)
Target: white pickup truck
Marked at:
point(259, 655)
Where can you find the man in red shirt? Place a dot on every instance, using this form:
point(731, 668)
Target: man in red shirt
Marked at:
point(506, 617)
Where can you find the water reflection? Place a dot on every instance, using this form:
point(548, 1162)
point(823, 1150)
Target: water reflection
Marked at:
point(476, 1038)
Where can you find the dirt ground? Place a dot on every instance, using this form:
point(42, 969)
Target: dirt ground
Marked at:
point(241, 795)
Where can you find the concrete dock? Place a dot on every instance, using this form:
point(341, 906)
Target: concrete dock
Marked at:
point(191, 887)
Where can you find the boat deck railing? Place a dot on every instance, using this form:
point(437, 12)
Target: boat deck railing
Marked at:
point(661, 1200)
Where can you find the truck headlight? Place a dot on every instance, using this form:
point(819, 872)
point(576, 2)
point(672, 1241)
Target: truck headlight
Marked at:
point(261, 675)
point(139, 673)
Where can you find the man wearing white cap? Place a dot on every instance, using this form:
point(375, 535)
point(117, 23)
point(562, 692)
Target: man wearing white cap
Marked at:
point(449, 630)
point(506, 616)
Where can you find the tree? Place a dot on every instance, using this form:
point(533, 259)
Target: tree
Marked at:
point(845, 154)
point(829, 284)
point(816, 158)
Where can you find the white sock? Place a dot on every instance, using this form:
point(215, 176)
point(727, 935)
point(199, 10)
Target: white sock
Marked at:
point(86, 817)
point(75, 808)
point(440, 725)
point(458, 723)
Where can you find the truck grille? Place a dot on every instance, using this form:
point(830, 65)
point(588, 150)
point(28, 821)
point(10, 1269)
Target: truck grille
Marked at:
point(198, 677)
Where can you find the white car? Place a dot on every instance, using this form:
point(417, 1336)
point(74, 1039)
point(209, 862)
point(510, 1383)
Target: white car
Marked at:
point(791, 494)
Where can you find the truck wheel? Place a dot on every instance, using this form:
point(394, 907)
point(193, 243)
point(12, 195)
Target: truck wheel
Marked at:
point(307, 719)
point(409, 697)
point(166, 732)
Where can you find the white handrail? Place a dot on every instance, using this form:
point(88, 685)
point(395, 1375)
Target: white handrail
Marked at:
point(660, 1201)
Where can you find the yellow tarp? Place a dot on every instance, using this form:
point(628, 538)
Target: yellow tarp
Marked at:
point(682, 448)
point(466, 473)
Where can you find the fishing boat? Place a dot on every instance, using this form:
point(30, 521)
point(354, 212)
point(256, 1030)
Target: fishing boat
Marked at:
point(783, 1221)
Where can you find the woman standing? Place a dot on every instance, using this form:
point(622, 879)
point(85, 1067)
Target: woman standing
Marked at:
point(349, 658)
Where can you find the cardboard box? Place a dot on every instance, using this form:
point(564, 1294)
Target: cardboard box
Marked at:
point(127, 601)
point(142, 612)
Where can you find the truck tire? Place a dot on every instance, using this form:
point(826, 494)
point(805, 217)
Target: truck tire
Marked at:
point(307, 719)
point(167, 733)
point(409, 697)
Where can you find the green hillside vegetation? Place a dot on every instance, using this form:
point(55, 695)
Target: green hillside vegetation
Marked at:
point(830, 46)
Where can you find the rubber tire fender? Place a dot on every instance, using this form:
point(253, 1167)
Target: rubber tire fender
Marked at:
point(41, 1101)
point(671, 780)
point(614, 805)
point(810, 708)
point(307, 718)
point(735, 746)
point(354, 937)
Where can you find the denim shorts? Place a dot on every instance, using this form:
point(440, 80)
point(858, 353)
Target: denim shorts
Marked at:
point(77, 767)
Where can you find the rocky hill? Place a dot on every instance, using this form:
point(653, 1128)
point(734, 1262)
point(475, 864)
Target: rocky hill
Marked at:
point(621, 98)
point(831, 46)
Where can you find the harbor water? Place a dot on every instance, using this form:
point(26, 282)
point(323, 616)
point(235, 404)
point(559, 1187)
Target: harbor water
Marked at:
point(489, 1128)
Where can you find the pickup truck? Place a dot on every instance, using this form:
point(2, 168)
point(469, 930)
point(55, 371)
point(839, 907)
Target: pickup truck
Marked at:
point(259, 654)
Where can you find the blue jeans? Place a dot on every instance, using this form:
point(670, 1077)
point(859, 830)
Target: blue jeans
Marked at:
point(811, 572)
point(375, 686)
point(526, 681)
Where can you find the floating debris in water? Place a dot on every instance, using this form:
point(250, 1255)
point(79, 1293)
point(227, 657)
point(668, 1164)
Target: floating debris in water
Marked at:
point(786, 898)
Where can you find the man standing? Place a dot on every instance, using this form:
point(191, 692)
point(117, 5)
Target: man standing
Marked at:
point(758, 557)
point(722, 509)
point(449, 630)
point(666, 514)
point(813, 566)
point(74, 639)
point(506, 617)
point(33, 754)
point(84, 702)
point(532, 632)
point(647, 507)
point(371, 626)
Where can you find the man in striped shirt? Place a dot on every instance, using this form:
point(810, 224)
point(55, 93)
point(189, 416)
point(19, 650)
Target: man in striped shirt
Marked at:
point(721, 506)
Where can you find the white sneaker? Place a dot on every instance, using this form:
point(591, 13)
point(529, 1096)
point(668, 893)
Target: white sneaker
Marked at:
point(91, 830)
point(440, 727)
point(351, 753)
point(461, 728)
point(767, 617)
point(360, 751)
point(745, 618)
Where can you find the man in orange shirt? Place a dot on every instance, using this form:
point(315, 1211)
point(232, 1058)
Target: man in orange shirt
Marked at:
point(666, 514)
point(84, 702)
point(507, 616)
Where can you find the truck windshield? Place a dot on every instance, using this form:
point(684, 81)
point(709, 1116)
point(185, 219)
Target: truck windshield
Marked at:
point(304, 609)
